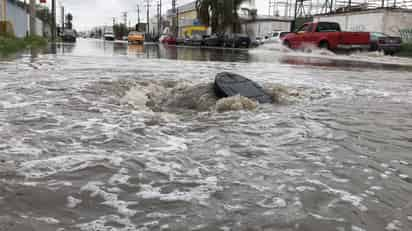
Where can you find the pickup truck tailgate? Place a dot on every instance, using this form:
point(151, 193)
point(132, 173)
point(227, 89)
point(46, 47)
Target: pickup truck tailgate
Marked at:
point(352, 38)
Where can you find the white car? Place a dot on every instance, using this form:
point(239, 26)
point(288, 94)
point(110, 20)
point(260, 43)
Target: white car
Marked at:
point(275, 37)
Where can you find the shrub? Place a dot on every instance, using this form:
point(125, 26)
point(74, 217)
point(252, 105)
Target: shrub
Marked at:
point(6, 29)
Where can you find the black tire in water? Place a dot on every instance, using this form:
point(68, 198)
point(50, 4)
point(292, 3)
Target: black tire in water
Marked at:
point(324, 45)
point(286, 43)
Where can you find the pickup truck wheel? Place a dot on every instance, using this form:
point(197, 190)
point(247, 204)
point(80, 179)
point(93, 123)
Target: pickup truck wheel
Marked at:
point(287, 44)
point(324, 45)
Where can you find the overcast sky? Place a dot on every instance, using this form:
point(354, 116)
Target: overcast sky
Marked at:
point(90, 13)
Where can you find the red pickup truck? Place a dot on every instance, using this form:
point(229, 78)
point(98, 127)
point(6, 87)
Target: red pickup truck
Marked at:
point(327, 35)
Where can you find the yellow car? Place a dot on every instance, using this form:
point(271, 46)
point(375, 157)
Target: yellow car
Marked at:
point(135, 37)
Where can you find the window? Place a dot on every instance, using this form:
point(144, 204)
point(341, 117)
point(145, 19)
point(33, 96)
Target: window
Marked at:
point(303, 28)
point(328, 27)
point(283, 34)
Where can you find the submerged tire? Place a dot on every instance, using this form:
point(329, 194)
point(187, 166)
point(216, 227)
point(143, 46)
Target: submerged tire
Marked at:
point(324, 45)
point(286, 43)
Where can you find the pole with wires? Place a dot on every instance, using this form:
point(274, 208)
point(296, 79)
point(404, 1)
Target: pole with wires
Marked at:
point(53, 26)
point(138, 18)
point(148, 17)
point(32, 12)
point(4, 10)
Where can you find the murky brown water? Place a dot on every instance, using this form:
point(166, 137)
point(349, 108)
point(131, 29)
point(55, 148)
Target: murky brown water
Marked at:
point(106, 136)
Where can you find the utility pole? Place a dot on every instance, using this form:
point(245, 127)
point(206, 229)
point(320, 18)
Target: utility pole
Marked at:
point(4, 12)
point(160, 18)
point(174, 21)
point(62, 19)
point(148, 16)
point(125, 18)
point(138, 15)
point(53, 26)
point(32, 17)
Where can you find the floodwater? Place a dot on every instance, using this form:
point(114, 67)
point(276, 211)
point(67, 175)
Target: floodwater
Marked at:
point(109, 137)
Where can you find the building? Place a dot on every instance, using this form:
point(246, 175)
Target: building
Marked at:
point(263, 25)
point(253, 26)
point(391, 21)
point(187, 17)
point(19, 18)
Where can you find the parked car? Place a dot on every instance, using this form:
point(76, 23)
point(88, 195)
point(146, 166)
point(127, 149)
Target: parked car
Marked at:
point(237, 41)
point(215, 40)
point(136, 37)
point(195, 40)
point(168, 39)
point(108, 35)
point(69, 36)
point(327, 35)
point(382, 42)
point(257, 42)
point(275, 36)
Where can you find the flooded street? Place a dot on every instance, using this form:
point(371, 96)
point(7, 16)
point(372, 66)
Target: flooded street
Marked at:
point(110, 137)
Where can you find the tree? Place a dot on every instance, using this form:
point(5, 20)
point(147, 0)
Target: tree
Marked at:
point(69, 19)
point(219, 14)
point(120, 30)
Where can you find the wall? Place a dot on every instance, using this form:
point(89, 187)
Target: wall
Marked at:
point(399, 24)
point(357, 21)
point(262, 28)
point(394, 22)
point(18, 18)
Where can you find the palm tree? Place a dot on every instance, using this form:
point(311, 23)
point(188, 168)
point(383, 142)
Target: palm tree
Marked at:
point(219, 14)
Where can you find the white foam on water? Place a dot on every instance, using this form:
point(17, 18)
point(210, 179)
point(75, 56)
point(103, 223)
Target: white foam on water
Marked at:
point(51, 166)
point(305, 188)
point(201, 193)
point(158, 215)
point(394, 225)
point(18, 147)
point(356, 201)
point(72, 202)
point(376, 188)
point(319, 217)
point(47, 220)
point(119, 178)
point(136, 97)
point(294, 172)
point(273, 203)
point(403, 176)
point(356, 228)
point(100, 224)
point(235, 103)
point(233, 208)
point(110, 199)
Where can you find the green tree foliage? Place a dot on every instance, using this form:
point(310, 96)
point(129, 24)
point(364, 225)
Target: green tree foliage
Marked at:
point(219, 14)
point(120, 30)
point(69, 19)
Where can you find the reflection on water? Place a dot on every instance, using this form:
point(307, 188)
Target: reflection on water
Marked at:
point(266, 54)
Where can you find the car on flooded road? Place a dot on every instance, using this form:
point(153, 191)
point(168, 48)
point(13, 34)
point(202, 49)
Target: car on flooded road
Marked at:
point(275, 37)
point(237, 41)
point(215, 40)
point(390, 45)
point(168, 40)
point(326, 35)
point(135, 37)
point(69, 36)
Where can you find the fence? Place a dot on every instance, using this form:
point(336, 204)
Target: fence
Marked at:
point(406, 35)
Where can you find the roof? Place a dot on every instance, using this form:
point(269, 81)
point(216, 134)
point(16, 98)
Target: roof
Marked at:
point(187, 7)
